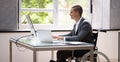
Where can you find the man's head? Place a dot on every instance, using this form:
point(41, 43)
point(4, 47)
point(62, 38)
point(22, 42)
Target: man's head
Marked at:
point(76, 12)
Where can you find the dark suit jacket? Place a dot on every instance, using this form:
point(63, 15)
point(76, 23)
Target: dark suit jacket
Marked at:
point(84, 32)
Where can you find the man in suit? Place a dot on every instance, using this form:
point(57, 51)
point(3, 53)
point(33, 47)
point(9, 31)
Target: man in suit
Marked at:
point(82, 31)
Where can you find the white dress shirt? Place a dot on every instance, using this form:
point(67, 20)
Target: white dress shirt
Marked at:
point(77, 24)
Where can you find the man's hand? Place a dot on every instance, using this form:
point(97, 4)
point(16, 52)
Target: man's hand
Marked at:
point(58, 37)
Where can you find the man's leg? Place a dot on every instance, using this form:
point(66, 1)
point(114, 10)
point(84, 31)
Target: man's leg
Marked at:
point(62, 55)
point(79, 54)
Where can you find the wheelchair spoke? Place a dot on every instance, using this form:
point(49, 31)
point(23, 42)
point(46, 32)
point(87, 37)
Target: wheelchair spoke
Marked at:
point(97, 59)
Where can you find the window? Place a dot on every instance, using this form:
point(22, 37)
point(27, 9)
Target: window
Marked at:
point(50, 14)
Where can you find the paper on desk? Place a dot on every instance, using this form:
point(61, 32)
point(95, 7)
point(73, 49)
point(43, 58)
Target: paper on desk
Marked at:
point(75, 42)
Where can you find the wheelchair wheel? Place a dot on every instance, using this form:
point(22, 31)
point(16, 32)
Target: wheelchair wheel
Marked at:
point(101, 57)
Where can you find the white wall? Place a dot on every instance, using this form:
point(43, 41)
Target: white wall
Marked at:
point(107, 43)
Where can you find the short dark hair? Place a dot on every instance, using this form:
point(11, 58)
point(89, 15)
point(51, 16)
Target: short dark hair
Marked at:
point(78, 8)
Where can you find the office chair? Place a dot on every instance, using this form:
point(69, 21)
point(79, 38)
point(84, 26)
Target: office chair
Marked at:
point(86, 56)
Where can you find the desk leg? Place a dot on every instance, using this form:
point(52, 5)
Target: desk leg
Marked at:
point(52, 54)
point(34, 56)
point(91, 55)
point(10, 52)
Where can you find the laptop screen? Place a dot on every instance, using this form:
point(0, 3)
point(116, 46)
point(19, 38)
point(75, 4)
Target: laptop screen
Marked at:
point(32, 29)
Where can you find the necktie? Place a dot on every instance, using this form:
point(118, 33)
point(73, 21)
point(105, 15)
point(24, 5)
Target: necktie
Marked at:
point(75, 28)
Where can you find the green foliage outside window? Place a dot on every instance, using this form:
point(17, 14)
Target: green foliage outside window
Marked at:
point(35, 3)
point(37, 17)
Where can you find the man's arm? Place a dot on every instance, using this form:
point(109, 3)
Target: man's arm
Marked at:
point(62, 37)
point(82, 33)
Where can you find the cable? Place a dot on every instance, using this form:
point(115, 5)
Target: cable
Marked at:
point(17, 40)
point(23, 37)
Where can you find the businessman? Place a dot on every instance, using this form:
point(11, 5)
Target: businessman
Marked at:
point(82, 31)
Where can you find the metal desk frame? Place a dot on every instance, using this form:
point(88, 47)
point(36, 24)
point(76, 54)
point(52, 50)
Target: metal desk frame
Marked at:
point(63, 47)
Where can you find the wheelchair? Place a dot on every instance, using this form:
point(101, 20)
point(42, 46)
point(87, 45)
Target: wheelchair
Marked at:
point(86, 56)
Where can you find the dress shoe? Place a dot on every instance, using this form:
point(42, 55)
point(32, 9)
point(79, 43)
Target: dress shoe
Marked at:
point(52, 61)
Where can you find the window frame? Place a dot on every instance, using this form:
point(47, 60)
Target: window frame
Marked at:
point(55, 11)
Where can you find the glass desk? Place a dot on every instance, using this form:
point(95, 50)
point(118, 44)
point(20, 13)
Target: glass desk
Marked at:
point(35, 46)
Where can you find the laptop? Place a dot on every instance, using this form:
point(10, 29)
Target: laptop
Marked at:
point(45, 35)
